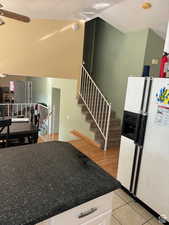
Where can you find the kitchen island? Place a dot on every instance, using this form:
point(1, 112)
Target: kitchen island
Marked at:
point(53, 184)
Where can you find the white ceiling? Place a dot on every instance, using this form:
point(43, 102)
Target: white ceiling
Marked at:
point(129, 16)
point(53, 9)
point(126, 15)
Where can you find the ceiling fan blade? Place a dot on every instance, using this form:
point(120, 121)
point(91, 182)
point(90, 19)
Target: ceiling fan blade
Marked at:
point(14, 16)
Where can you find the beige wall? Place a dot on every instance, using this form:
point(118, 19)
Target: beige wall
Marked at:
point(41, 48)
point(71, 117)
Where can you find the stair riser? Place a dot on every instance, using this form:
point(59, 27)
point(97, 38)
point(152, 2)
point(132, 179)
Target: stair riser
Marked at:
point(101, 141)
point(97, 132)
point(110, 139)
point(113, 125)
point(100, 117)
point(110, 146)
point(111, 131)
point(93, 101)
point(96, 111)
point(84, 109)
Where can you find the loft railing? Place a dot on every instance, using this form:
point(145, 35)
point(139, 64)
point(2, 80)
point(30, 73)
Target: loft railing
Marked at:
point(96, 103)
point(27, 110)
point(16, 109)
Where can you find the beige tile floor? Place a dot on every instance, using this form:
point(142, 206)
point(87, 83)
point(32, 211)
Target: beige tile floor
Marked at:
point(128, 212)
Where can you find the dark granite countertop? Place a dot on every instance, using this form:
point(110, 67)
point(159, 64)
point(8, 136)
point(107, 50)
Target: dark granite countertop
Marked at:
point(42, 180)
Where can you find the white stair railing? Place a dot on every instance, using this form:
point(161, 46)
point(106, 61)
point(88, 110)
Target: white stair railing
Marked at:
point(96, 103)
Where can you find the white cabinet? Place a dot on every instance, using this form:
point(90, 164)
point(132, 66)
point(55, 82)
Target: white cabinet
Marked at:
point(94, 212)
point(104, 219)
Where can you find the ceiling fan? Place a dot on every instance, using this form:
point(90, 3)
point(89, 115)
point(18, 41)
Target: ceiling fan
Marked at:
point(13, 15)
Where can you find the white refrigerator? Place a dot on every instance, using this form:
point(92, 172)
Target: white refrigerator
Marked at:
point(144, 151)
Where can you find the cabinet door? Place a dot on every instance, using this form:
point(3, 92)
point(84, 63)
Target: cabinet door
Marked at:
point(104, 219)
point(94, 212)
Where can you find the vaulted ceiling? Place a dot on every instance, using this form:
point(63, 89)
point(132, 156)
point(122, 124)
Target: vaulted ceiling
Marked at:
point(55, 9)
point(126, 15)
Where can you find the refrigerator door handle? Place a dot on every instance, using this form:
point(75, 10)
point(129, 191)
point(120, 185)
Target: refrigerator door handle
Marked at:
point(137, 130)
point(142, 130)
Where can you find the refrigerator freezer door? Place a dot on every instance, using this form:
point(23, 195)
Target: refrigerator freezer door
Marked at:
point(153, 185)
point(134, 94)
point(127, 149)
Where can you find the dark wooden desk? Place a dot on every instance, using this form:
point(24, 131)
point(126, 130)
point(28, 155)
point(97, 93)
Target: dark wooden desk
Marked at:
point(21, 130)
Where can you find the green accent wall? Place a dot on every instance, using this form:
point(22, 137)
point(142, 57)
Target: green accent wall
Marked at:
point(118, 56)
point(154, 50)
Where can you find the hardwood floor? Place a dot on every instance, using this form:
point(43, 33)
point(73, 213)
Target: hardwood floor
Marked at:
point(49, 137)
point(107, 160)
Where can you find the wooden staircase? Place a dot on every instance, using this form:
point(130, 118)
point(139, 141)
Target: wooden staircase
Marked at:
point(114, 127)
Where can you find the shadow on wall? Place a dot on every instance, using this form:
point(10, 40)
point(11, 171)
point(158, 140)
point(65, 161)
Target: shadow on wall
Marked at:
point(114, 56)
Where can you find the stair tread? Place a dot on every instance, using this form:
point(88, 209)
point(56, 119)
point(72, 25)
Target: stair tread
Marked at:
point(102, 142)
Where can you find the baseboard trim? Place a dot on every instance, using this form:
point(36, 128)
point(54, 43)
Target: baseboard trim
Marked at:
point(48, 136)
point(85, 138)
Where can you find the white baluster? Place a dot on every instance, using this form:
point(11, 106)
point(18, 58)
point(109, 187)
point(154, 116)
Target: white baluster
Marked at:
point(103, 117)
point(107, 129)
point(96, 103)
point(106, 118)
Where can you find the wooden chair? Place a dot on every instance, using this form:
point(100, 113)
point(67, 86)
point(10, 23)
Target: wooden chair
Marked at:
point(4, 132)
point(35, 123)
point(35, 120)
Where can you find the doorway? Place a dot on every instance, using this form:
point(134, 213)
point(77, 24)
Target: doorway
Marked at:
point(55, 111)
